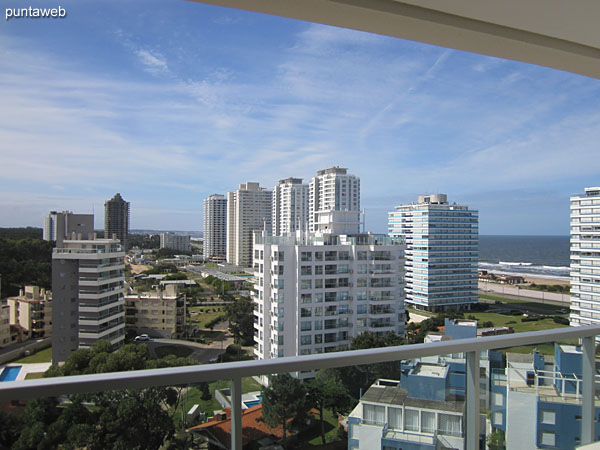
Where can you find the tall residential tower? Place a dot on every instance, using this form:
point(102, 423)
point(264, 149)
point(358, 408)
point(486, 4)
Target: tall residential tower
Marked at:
point(61, 225)
point(116, 219)
point(290, 206)
point(585, 257)
point(215, 227)
point(442, 252)
point(334, 189)
point(249, 208)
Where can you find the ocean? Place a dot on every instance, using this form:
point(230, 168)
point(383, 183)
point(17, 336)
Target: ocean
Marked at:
point(541, 256)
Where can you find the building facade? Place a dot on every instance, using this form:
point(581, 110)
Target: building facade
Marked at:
point(442, 252)
point(215, 227)
point(333, 189)
point(418, 414)
point(585, 258)
point(87, 289)
point(63, 225)
point(315, 292)
point(4, 325)
point(290, 206)
point(158, 313)
point(537, 400)
point(249, 208)
point(116, 219)
point(176, 242)
point(31, 310)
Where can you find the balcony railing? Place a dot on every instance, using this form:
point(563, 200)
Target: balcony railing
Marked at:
point(234, 371)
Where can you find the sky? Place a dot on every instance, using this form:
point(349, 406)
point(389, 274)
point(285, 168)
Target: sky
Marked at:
point(169, 101)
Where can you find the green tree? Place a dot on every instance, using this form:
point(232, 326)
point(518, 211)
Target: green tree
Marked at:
point(326, 391)
point(241, 320)
point(284, 399)
point(496, 440)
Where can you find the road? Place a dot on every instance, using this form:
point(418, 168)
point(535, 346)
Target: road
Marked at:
point(202, 353)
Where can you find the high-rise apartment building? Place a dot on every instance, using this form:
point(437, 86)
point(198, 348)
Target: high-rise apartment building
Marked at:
point(334, 189)
point(215, 227)
point(249, 208)
point(87, 288)
point(290, 206)
point(314, 292)
point(177, 242)
point(442, 252)
point(61, 225)
point(585, 257)
point(116, 219)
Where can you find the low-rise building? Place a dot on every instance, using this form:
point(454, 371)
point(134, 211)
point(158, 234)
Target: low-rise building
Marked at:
point(31, 311)
point(159, 313)
point(4, 325)
point(421, 413)
point(537, 399)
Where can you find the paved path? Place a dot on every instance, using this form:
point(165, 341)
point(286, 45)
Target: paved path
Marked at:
point(201, 352)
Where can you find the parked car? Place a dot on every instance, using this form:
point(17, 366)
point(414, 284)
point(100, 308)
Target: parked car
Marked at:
point(142, 337)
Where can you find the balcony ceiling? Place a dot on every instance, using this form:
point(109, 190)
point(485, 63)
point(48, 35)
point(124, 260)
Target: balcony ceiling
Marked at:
point(560, 34)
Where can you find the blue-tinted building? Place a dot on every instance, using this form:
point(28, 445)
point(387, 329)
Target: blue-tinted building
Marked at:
point(536, 400)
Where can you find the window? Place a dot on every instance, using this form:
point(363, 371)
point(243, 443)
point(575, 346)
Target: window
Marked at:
point(318, 270)
point(362, 256)
point(305, 326)
point(305, 312)
point(548, 417)
point(373, 414)
point(318, 284)
point(395, 418)
point(361, 282)
point(318, 324)
point(280, 284)
point(319, 297)
point(318, 256)
point(412, 420)
point(548, 438)
point(450, 425)
point(306, 298)
point(305, 256)
point(498, 399)
point(498, 419)
point(305, 340)
point(427, 422)
point(306, 284)
point(361, 309)
point(280, 270)
point(318, 337)
point(306, 270)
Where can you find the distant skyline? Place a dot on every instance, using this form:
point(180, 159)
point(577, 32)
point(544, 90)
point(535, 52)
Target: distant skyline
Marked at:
point(170, 102)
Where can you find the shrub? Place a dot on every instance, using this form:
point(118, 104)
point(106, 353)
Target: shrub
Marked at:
point(561, 320)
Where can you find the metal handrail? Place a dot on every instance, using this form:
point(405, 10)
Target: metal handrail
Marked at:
point(234, 371)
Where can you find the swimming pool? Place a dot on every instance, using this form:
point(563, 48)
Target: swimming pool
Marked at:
point(10, 373)
point(251, 403)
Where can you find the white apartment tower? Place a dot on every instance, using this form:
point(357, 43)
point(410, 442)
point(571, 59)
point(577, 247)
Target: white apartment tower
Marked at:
point(442, 252)
point(215, 227)
point(585, 257)
point(334, 189)
point(290, 206)
point(87, 289)
point(314, 292)
point(249, 208)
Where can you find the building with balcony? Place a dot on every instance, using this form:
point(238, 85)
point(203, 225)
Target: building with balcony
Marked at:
point(31, 311)
point(249, 208)
point(4, 325)
point(63, 225)
point(88, 290)
point(442, 252)
point(290, 206)
point(215, 227)
point(116, 219)
point(585, 257)
point(537, 400)
point(159, 314)
point(420, 414)
point(314, 292)
point(175, 242)
point(334, 189)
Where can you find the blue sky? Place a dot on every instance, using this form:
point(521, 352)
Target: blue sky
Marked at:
point(168, 102)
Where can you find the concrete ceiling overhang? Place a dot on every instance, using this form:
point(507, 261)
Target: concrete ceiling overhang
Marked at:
point(562, 34)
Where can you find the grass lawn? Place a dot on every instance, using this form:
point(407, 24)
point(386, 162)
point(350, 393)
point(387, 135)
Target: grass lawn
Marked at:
point(177, 350)
point(201, 315)
point(40, 357)
point(33, 376)
point(501, 320)
point(194, 395)
point(313, 436)
point(551, 308)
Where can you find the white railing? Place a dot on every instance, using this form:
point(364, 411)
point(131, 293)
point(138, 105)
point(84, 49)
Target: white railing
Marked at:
point(235, 371)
